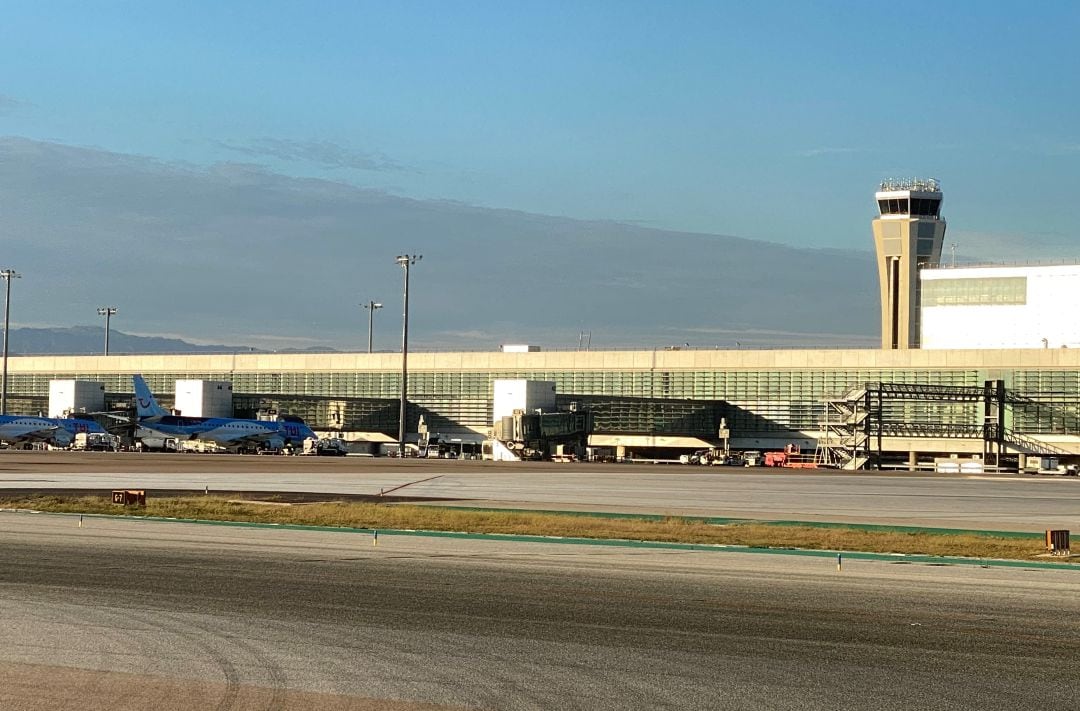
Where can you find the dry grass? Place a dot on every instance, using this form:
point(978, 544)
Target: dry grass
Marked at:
point(677, 530)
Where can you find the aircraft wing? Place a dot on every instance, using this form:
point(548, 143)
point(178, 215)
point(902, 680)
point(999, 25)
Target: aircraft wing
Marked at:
point(26, 434)
point(118, 423)
point(227, 438)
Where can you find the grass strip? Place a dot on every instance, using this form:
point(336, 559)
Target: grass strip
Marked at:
point(534, 523)
point(726, 520)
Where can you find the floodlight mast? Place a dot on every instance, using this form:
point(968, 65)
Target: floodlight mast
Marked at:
point(405, 261)
point(108, 312)
point(371, 306)
point(7, 275)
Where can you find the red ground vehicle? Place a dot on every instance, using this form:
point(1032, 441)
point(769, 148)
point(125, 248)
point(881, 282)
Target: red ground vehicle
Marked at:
point(776, 459)
point(792, 458)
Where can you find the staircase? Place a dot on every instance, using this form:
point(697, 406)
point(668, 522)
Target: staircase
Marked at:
point(844, 443)
point(1027, 445)
point(501, 453)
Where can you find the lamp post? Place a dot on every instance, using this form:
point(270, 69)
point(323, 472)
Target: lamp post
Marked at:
point(7, 275)
point(107, 312)
point(371, 306)
point(405, 261)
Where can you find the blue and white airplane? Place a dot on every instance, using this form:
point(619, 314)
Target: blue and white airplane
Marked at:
point(225, 431)
point(56, 431)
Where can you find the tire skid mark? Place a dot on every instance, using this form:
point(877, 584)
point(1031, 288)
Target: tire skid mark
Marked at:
point(276, 679)
point(166, 622)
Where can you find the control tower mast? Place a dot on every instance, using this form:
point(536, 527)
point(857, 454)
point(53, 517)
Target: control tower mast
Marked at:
point(908, 234)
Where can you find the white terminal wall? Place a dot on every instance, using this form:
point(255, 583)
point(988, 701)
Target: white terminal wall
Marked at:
point(67, 396)
point(204, 398)
point(527, 395)
point(1052, 311)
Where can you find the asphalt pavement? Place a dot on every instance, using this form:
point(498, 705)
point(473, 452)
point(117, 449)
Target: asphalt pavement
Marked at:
point(1014, 503)
point(124, 614)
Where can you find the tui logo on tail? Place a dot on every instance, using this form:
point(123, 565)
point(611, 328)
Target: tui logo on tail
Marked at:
point(145, 404)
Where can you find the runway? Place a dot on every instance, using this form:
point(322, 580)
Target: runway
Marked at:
point(995, 503)
point(126, 614)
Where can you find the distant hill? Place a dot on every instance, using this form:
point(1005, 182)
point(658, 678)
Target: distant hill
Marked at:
point(90, 340)
point(238, 253)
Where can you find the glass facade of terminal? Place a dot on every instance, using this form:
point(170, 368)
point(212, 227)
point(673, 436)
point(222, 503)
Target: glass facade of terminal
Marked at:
point(683, 402)
point(981, 291)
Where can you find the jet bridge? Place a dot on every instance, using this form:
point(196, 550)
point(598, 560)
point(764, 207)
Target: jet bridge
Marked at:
point(537, 435)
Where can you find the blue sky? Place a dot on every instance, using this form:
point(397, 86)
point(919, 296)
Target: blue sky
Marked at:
point(769, 121)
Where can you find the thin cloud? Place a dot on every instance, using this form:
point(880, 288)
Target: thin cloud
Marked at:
point(9, 104)
point(233, 253)
point(325, 153)
point(776, 337)
point(826, 151)
point(976, 247)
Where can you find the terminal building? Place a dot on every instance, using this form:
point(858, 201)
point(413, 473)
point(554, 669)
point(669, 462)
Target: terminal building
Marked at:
point(974, 361)
point(1001, 307)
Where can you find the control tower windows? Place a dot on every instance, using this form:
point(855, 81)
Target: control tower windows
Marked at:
point(921, 207)
point(925, 207)
point(894, 206)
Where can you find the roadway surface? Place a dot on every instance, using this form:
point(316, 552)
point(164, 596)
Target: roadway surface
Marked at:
point(1027, 503)
point(124, 614)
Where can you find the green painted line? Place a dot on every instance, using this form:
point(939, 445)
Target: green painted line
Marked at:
point(611, 542)
point(726, 521)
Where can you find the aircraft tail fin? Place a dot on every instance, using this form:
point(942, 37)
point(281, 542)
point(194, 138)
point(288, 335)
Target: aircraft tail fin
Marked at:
point(145, 404)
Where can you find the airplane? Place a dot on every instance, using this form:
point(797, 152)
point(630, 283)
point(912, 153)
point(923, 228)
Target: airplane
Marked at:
point(228, 432)
point(56, 431)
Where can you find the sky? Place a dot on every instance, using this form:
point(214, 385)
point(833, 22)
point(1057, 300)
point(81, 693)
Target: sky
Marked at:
point(770, 121)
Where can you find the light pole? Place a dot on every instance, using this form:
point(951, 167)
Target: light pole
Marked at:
point(371, 306)
point(405, 261)
point(7, 275)
point(107, 312)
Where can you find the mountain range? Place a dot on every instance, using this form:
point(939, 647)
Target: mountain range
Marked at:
point(236, 253)
point(90, 340)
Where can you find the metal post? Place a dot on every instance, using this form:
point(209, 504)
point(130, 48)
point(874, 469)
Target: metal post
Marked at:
point(880, 426)
point(999, 398)
point(7, 275)
point(107, 312)
point(406, 261)
point(371, 306)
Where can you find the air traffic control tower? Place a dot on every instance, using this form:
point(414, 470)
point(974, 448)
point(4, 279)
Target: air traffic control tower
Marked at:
point(908, 234)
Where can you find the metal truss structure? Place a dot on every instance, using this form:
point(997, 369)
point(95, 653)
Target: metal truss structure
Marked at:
point(856, 423)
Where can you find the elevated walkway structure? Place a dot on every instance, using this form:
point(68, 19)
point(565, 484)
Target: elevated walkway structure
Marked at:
point(535, 436)
point(856, 423)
